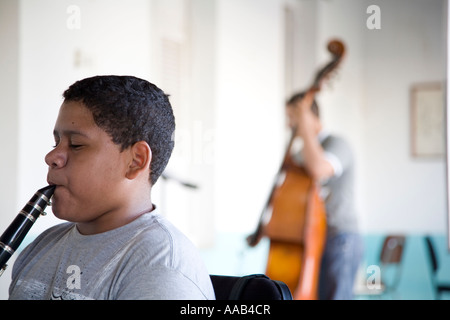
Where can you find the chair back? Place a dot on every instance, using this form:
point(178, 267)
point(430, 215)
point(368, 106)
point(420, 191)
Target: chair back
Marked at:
point(431, 253)
point(392, 250)
point(391, 261)
point(249, 287)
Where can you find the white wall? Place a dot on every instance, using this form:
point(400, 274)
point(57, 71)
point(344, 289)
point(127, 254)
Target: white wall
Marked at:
point(402, 193)
point(249, 103)
point(9, 101)
point(9, 119)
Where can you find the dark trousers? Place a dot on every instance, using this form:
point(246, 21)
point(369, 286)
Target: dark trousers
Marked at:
point(341, 259)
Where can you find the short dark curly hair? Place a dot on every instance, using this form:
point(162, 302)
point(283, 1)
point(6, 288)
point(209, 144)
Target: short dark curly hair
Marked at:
point(130, 109)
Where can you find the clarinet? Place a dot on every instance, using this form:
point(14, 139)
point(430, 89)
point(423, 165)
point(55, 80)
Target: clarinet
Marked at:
point(18, 229)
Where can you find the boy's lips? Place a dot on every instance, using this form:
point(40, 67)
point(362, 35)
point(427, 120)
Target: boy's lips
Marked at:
point(53, 183)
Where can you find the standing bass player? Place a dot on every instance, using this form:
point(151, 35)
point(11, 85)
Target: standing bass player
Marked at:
point(328, 160)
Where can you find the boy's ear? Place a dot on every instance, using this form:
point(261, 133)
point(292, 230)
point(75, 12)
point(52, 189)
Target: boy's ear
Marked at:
point(141, 156)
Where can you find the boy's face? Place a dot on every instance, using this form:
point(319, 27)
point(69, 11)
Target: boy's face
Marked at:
point(85, 165)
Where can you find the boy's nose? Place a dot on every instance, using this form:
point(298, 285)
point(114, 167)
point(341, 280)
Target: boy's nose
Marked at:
point(56, 159)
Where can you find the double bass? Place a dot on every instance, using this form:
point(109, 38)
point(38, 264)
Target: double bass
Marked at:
point(294, 217)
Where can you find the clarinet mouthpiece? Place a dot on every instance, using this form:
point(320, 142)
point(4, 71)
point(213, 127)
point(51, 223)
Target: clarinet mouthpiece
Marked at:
point(47, 191)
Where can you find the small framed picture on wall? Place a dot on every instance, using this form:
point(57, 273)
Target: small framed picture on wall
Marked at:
point(427, 120)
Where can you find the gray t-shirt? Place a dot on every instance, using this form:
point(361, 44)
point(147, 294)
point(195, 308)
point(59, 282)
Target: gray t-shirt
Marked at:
point(338, 191)
point(145, 259)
